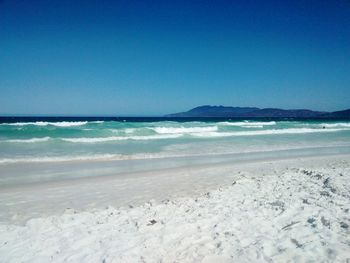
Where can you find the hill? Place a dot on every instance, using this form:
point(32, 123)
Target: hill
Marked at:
point(253, 112)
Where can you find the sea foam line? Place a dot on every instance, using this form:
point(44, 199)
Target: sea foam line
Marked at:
point(248, 124)
point(335, 125)
point(266, 132)
point(61, 158)
point(119, 138)
point(32, 140)
point(183, 130)
point(204, 134)
point(139, 156)
point(57, 124)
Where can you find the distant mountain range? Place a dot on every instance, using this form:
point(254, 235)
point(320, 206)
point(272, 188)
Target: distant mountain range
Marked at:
point(252, 112)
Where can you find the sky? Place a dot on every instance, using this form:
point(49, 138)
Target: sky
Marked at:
point(147, 58)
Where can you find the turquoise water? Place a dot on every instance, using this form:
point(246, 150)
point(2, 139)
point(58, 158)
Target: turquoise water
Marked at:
point(43, 141)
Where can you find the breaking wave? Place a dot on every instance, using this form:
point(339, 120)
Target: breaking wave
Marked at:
point(265, 132)
point(60, 159)
point(335, 125)
point(183, 130)
point(248, 124)
point(44, 123)
point(173, 133)
point(32, 140)
point(120, 138)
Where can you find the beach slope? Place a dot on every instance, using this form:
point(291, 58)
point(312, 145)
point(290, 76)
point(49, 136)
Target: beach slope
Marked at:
point(294, 211)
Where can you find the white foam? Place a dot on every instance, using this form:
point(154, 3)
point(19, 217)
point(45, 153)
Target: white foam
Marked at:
point(68, 123)
point(265, 132)
point(183, 130)
point(130, 130)
point(61, 158)
point(336, 125)
point(127, 130)
point(248, 124)
point(44, 123)
point(119, 138)
point(32, 140)
point(171, 133)
point(97, 122)
point(38, 123)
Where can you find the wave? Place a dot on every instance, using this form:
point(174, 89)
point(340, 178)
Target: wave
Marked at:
point(248, 124)
point(38, 123)
point(32, 140)
point(97, 122)
point(172, 133)
point(44, 123)
point(127, 130)
point(130, 130)
point(62, 158)
point(208, 133)
point(138, 156)
point(120, 138)
point(183, 130)
point(335, 125)
point(265, 132)
point(68, 123)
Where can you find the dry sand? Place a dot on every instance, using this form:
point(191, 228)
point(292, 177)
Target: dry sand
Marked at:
point(293, 210)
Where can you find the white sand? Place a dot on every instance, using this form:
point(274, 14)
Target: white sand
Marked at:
point(285, 211)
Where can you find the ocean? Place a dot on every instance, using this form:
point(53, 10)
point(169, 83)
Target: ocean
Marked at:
point(49, 164)
point(45, 140)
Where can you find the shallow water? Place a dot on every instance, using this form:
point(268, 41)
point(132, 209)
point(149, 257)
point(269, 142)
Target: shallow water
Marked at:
point(67, 140)
point(20, 174)
point(60, 140)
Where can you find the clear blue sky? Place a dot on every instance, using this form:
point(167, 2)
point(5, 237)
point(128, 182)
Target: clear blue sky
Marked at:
point(157, 57)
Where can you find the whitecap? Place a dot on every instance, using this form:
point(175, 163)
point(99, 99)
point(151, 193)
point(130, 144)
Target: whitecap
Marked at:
point(60, 158)
point(183, 130)
point(68, 123)
point(38, 123)
point(97, 122)
point(44, 123)
point(32, 140)
point(335, 125)
point(248, 124)
point(119, 138)
point(265, 132)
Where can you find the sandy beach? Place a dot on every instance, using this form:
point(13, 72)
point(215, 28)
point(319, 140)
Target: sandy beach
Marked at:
point(282, 210)
point(175, 131)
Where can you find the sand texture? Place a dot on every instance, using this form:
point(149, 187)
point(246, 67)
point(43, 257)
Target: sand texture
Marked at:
point(294, 214)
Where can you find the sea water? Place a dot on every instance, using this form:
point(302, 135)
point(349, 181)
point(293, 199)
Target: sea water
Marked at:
point(55, 141)
point(63, 140)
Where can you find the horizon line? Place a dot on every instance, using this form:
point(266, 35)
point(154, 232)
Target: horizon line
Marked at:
point(141, 116)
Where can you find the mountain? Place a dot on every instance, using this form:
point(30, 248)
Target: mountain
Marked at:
point(214, 111)
point(253, 112)
point(344, 114)
point(280, 113)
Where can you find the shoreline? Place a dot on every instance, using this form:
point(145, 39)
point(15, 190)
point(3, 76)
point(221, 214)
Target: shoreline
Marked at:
point(69, 170)
point(22, 202)
point(271, 211)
